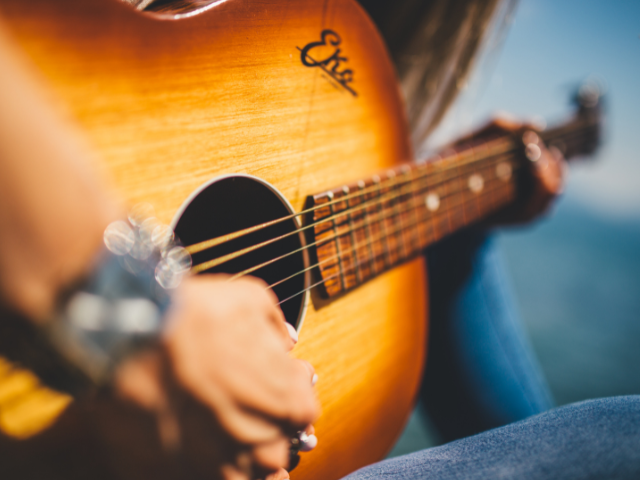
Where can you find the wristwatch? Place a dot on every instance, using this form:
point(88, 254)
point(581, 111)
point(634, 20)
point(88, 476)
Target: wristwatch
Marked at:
point(120, 307)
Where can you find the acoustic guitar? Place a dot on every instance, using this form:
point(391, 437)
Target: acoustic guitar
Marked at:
point(272, 136)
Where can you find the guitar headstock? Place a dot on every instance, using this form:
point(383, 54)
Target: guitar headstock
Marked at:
point(589, 100)
point(582, 135)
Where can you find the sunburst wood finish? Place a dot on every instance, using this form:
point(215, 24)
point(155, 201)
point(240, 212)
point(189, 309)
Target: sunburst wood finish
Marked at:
point(370, 226)
point(363, 229)
point(170, 104)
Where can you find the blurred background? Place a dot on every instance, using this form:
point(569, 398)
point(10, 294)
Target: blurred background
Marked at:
point(576, 273)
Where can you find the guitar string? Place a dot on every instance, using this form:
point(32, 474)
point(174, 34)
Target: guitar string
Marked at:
point(415, 203)
point(438, 176)
point(389, 196)
point(576, 128)
point(470, 150)
point(327, 240)
point(354, 249)
point(355, 265)
point(378, 201)
point(414, 167)
point(339, 273)
point(434, 218)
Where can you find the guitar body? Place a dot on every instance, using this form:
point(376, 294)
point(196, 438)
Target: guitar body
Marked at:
point(170, 104)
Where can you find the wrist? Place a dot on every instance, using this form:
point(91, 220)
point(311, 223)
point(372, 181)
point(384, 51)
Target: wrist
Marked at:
point(37, 267)
point(116, 309)
point(120, 307)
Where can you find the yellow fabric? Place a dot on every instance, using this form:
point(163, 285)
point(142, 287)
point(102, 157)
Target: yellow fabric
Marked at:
point(26, 406)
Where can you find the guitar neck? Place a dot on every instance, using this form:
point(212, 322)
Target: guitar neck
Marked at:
point(368, 227)
point(365, 228)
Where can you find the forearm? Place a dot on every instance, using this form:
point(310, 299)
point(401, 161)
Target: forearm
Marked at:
point(54, 208)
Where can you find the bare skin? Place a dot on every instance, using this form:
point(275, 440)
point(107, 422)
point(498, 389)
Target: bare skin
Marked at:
point(548, 175)
point(222, 415)
point(54, 206)
point(218, 396)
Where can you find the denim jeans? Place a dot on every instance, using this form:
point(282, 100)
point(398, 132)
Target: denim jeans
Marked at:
point(482, 376)
point(481, 371)
point(596, 439)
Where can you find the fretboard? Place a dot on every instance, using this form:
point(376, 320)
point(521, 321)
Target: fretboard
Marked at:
point(367, 227)
point(375, 224)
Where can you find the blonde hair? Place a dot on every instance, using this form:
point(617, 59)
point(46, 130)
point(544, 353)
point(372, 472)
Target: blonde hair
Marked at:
point(433, 44)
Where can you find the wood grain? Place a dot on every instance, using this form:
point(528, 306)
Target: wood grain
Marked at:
point(170, 104)
point(362, 229)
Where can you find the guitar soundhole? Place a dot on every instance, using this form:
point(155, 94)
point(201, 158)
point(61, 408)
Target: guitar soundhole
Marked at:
point(233, 203)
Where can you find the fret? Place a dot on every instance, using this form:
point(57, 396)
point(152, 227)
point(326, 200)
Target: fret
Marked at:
point(476, 182)
point(381, 222)
point(349, 262)
point(417, 238)
point(502, 177)
point(394, 240)
point(396, 218)
point(501, 195)
point(473, 184)
point(428, 203)
point(372, 213)
point(418, 205)
point(352, 234)
point(411, 222)
point(411, 208)
point(458, 201)
point(326, 250)
point(440, 201)
point(336, 240)
point(367, 230)
point(456, 191)
point(372, 225)
point(408, 215)
point(458, 215)
point(486, 202)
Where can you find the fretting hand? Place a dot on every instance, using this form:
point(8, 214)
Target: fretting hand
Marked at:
point(548, 173)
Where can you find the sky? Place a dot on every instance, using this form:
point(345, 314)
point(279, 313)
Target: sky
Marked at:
point(551, 47)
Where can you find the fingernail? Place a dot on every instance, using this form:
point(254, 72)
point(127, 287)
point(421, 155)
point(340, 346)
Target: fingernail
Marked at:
point(292, 332)
point(307, 442)
point(314, 379)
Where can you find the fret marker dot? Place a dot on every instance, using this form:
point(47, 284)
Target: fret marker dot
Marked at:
point(476, 183)
point(432, 201)
point(504, 171)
